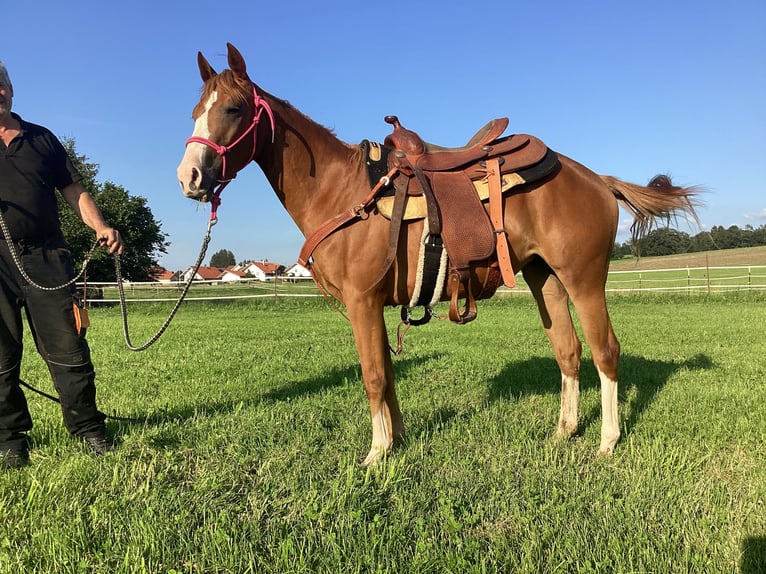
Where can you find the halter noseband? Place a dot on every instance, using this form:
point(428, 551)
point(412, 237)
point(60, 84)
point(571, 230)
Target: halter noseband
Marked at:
point(259, 105)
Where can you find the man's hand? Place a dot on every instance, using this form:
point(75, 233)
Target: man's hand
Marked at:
point(110, 237)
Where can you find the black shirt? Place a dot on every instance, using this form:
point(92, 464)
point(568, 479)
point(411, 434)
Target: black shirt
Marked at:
point(32, 167)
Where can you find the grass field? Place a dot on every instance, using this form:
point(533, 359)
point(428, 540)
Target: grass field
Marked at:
point(720, 258)
point(251, 420)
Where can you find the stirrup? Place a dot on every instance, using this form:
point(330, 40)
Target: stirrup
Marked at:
point(407, 319)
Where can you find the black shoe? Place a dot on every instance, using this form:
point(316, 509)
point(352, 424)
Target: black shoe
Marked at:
point(10, 459)
point(100, 444)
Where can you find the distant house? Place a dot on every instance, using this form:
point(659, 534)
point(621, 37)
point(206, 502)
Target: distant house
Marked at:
point(297, 271)
point(163, 275)
point(203, 273)
point(263, 270)
point(230, 274)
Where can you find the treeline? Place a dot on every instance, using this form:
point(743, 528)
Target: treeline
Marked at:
point(668, 241)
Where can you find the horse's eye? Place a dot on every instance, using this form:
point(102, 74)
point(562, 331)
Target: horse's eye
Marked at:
point(233, 111)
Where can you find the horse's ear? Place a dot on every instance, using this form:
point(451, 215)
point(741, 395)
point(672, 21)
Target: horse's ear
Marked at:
point(237, 62)
point(205, 69)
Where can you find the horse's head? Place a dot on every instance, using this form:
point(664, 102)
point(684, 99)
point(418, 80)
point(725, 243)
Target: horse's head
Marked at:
point(226, 120)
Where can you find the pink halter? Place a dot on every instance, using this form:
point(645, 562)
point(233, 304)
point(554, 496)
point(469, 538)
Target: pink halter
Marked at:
point(259, 105)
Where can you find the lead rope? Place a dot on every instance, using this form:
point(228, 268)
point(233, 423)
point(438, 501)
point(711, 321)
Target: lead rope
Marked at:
point(124, 307)
point(118, 271)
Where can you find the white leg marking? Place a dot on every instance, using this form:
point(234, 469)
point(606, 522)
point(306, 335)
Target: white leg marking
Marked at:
point(570, 396)
point(610, 418)
point(382, 439)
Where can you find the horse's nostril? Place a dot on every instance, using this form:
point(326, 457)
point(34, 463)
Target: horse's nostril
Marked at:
point(195, 178)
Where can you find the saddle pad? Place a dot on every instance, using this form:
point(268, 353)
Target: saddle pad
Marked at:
point(415, 206)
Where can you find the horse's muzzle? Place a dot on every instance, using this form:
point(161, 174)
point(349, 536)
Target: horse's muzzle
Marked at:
point(194, 183)
point(196, 194)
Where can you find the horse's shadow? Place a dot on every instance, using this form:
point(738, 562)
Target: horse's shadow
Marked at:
point(541, 375)
point(640, 378)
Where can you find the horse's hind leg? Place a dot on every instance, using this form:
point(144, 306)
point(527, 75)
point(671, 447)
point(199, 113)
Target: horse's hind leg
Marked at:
point(553, 305)
point(590, 305)
point(372, 345)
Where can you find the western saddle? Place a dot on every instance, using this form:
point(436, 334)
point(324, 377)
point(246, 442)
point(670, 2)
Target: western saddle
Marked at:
point(453, 182)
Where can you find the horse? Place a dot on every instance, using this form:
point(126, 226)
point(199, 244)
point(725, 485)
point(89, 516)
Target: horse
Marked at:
point(560, 232)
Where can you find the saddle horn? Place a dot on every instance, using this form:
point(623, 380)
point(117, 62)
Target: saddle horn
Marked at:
point(403, 139)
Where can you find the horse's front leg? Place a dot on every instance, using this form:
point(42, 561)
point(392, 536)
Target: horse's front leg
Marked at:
point(371, 338)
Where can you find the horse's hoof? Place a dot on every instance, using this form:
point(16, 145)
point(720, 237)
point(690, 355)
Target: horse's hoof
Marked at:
point(565, 432)
point(375, 456)
point(607, 448)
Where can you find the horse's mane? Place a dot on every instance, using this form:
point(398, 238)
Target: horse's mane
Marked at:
point(228, 85)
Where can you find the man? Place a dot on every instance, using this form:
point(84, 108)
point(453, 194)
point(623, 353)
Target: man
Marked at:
point(33, 164)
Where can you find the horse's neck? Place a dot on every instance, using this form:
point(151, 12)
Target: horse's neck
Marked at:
point(314, 174)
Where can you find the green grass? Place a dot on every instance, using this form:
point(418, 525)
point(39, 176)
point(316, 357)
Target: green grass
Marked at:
point(253, 419)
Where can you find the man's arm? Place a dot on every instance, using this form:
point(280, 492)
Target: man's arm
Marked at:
point(87, 210)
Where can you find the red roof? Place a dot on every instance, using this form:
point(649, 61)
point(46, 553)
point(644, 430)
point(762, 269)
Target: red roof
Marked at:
point(159, 274)
point(209, 273)
point(236, 272)
point(268, 268)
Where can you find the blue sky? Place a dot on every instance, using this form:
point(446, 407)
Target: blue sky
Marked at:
point(627, 89)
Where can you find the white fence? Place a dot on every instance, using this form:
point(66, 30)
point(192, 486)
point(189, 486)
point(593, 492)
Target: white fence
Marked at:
point(686, 279)
point(689, 280)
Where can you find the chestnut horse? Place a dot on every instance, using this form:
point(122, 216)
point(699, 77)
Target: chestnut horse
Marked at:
point(561, 231)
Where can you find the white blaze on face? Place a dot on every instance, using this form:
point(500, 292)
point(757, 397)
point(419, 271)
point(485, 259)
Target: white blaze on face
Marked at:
point(195, 151)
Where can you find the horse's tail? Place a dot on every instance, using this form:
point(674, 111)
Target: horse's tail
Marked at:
point(660, 200)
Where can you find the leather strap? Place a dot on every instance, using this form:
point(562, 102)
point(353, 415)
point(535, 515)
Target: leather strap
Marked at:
point(334, 223)
point(321, 233)
point(432, 208)
point(496, 216)
point(397, 215)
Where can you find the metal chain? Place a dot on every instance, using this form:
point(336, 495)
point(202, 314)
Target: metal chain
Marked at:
point(20, 267)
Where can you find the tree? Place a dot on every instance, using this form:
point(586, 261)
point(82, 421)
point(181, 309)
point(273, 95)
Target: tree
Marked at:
point(703, 241)
point(665, 241)
point(759, 235)
point(726, 238)
point(141, 233)
point(222, 258)
point(621, 250)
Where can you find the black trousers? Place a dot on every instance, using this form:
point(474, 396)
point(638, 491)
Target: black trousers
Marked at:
point(50, 315)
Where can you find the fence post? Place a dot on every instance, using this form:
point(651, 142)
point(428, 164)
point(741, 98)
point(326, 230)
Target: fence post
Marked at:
point(276, 278)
